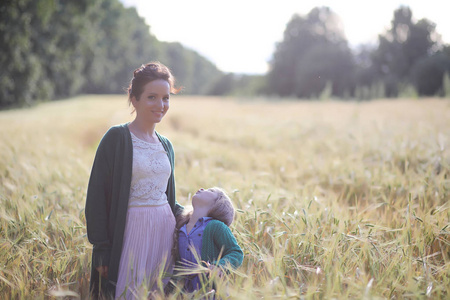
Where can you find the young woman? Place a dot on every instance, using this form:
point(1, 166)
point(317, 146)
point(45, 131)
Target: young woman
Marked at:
point(130, 204)
point(204, 233)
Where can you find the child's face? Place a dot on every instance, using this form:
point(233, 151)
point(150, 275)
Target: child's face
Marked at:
point(204, 198)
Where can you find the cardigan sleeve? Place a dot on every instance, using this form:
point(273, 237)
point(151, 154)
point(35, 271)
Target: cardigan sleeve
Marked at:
point(98, 201)
point(225, 241)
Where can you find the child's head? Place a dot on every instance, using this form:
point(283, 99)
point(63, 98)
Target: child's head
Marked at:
point(220, 204)
point(222, 208)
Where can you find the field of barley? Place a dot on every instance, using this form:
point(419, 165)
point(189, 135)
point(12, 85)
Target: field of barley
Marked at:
point(334, 199)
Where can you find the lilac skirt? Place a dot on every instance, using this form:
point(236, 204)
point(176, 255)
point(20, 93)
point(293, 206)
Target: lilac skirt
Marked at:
point(146, 252)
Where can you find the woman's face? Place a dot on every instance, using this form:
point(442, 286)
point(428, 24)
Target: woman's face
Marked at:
point(204, 198)
point(153, 103)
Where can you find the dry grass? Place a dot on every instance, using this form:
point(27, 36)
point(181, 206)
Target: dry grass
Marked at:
point(335, 199)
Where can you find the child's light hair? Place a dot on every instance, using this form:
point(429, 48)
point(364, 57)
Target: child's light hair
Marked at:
point(222, 209)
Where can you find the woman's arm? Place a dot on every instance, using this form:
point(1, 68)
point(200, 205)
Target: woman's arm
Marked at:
point(98, 202)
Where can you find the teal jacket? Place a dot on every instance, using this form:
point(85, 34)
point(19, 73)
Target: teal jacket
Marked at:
point(107, 202)
point(219, 246)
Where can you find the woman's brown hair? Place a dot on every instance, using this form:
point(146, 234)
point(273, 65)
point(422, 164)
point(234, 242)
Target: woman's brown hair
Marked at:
point(146, 73)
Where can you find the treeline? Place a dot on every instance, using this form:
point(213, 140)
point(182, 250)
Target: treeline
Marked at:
point(314, 60)
point(52, 49)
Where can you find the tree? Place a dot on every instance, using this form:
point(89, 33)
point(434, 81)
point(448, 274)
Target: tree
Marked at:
point(224, 85)
point(59, 44)
point(42, 49)
point(121, 44)
point(313, 52)
point(321, 65)
point(404, 44)
point(181, 63)
point(428, 74)
point(21, 71)
point(205, 74)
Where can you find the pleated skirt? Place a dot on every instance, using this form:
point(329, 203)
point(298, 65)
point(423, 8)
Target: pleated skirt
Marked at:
point(146, 259)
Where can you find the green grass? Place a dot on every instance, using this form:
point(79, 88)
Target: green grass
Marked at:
point(335, 199)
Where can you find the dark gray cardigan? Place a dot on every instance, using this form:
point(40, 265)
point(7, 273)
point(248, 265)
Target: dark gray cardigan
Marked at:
point(107, 203)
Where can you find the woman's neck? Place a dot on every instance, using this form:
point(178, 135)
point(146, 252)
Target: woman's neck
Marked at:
point(143, 130)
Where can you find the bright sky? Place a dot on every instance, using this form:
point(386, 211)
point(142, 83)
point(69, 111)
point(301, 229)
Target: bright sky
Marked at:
point(240, 35)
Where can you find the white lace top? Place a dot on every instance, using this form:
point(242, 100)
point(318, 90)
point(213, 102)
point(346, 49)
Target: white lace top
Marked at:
point(150, 173)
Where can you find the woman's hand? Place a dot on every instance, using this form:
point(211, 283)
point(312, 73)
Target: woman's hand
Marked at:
point(103, 270)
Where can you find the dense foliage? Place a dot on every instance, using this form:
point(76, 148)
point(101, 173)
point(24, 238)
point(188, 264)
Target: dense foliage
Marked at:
point(52, 49)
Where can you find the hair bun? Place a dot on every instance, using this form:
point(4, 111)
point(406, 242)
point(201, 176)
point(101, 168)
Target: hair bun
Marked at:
point(149, 72)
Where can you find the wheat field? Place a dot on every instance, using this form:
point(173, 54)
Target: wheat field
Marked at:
point(335, 200)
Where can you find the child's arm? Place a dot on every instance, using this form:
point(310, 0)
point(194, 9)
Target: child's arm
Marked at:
point(224, 239)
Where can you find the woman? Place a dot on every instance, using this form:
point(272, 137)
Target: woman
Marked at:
point(130, 203)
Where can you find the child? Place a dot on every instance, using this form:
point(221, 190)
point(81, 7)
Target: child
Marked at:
point(204, 230)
